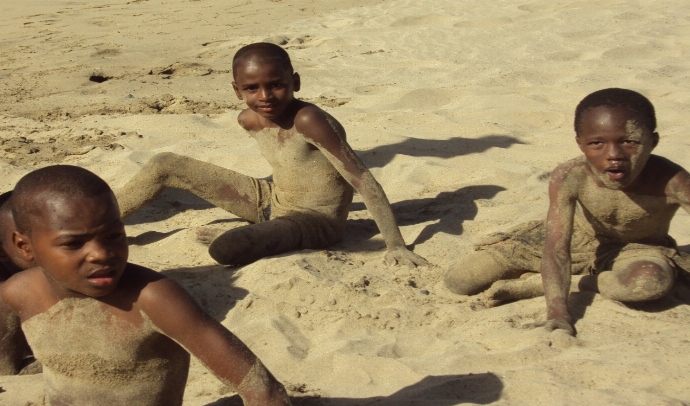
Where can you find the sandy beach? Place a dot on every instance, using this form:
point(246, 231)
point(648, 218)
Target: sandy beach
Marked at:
point(460, 108)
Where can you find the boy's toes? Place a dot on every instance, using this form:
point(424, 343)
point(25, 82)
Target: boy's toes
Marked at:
point(495, 295)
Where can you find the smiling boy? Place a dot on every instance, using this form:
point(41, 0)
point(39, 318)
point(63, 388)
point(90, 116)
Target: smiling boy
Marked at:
point(107, 331)
point(609, 215)
point(314, 169)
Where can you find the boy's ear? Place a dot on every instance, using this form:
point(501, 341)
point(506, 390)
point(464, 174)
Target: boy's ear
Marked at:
point(296, 82)
point(21, 242)
point(237, 90)
point(655, 139)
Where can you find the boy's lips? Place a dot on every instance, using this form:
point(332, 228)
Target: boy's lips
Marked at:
point(102, 277)
point(615, 172)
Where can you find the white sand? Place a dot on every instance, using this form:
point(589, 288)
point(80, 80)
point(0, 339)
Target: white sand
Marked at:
point(459, 107)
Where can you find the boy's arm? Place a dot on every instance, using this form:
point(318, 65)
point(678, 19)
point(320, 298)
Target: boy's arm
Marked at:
point(12, 343)
point(555, 264)
point(175, 313)
point(324, 132)
point(678, 189)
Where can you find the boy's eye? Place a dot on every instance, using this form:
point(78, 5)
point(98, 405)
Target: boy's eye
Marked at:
point(116, 236)
point(72, 245)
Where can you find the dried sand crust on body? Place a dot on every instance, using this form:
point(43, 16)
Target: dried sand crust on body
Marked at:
point(459, 123)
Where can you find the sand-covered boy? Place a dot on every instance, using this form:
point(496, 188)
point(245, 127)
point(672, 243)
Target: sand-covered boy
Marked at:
point(109, 332)
point(609, 215)
point(314, 170)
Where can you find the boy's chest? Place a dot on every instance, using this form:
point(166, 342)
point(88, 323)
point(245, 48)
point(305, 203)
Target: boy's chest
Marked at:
point(625, 212)
point(80, 332)
point(284, 148)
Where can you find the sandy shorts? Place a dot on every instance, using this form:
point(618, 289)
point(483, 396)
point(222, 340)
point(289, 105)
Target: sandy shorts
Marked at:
point(315, 230)
point(522, 246)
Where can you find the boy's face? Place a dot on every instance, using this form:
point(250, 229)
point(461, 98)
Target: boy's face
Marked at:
point(615, 145)
point(266, 86)
point(79, 243)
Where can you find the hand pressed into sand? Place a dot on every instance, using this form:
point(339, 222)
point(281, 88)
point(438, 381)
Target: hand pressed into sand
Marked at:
point(403, 256)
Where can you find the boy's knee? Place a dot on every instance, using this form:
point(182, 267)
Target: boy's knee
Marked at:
point(473, 274)
point(647, 280)
point(163, 160)
point(231, 249)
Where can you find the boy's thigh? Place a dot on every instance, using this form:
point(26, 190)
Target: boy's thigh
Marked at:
point(623, 258)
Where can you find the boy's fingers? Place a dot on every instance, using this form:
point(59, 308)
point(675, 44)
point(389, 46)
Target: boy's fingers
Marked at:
point(551, 325)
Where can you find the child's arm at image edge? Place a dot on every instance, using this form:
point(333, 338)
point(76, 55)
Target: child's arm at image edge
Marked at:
point(556, 260)
point(328, 135)
point(177, 315)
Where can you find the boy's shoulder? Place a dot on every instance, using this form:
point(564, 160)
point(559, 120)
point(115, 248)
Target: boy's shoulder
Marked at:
point(25, 292)
point(571, 173)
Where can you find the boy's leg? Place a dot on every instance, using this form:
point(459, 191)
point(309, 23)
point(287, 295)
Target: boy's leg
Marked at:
point(476, 272)
point(244, 245)
point(632, 280)
point(501, 256)
point(222, 187)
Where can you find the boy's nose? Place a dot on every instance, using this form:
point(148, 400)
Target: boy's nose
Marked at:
point(615, 151)
point(99, 252)
point(264, 94)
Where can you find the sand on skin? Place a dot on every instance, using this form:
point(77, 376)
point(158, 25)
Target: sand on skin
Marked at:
point(460, 109)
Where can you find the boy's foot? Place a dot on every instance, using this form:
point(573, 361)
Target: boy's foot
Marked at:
point(513, 289)
point(206, 235)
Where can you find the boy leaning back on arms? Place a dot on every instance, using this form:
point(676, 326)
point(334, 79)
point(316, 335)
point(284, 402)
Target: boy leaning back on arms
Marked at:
point(107, 331)
point(609, 215)
point(314, 170)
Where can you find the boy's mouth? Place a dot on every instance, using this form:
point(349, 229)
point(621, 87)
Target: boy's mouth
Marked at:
point(103, 277)
point(615, 172)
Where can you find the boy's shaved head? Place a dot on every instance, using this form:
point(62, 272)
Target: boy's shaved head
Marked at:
point(262, 52)
point(60, 180)
point(5, 198)
point(615, 97)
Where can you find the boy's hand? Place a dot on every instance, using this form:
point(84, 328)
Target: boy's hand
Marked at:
point(553, 324)
point(403, 256)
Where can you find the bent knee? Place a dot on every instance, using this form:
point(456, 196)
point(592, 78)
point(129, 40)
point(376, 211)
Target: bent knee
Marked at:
point(164, 159)
point(648, 280)
point(476, 272)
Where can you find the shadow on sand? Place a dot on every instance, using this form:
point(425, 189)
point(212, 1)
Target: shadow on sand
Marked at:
point(443, 390)
point(418, 147)
point(451, 209)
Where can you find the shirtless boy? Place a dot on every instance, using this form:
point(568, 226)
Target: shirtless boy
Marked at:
point(306, 204)
point(109, 332)
point(609, 216)
point(13, 345)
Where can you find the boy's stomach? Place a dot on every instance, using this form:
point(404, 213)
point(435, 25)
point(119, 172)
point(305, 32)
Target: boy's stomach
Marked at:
point(328, 195)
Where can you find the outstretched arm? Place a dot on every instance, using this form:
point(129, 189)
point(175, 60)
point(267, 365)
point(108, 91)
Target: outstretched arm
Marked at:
point(177, 315)
point(555, 265)
point(324, 132)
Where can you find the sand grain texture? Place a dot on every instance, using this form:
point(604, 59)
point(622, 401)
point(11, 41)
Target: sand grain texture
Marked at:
point(460, 108)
